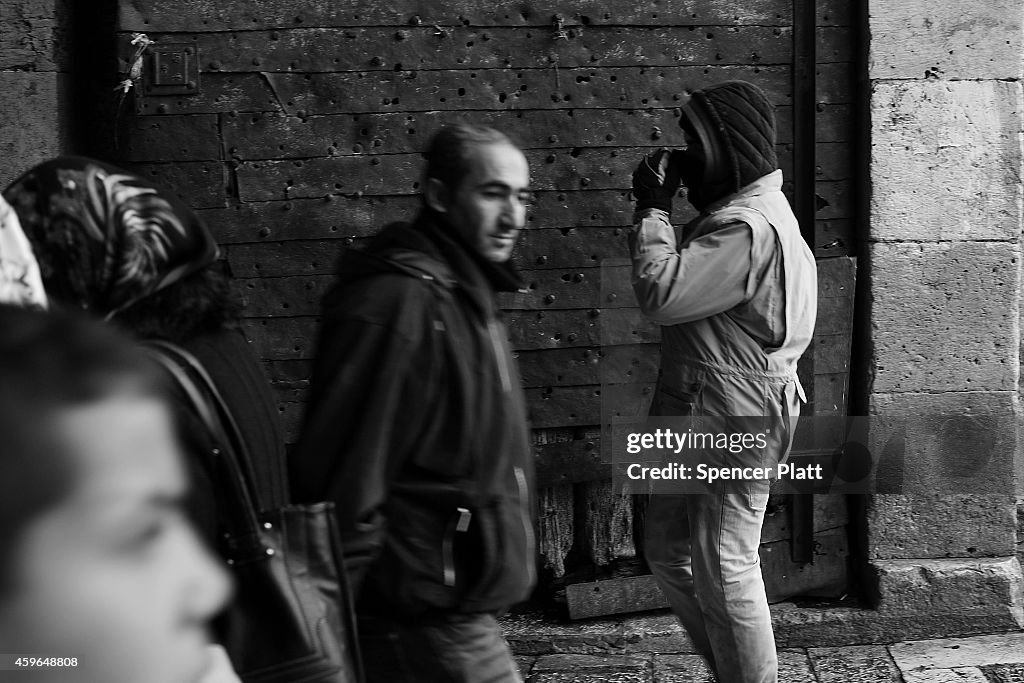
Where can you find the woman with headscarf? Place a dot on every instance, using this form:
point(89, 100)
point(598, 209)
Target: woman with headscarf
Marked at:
point(110, 243)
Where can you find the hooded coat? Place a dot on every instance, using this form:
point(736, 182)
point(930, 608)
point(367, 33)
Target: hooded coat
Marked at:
point(737, 294)
point(416, 428)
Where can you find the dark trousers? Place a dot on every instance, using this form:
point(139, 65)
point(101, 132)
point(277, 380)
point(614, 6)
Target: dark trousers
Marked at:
point(439, 648)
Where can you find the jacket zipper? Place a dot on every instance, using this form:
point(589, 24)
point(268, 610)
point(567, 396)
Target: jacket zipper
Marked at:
point(524, 509)
point(499, 356)
point(459, 525)
point(524, 493)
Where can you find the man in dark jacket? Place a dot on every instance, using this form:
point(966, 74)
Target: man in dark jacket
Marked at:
point(416, 426)
point(736, 297)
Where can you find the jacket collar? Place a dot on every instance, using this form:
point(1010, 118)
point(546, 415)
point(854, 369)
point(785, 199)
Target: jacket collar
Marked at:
point(771, 182)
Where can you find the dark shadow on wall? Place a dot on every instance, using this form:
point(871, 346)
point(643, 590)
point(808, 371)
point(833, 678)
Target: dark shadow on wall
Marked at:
point(95, 75)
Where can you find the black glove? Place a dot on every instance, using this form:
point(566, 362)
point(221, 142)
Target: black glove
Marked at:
point(656, 180)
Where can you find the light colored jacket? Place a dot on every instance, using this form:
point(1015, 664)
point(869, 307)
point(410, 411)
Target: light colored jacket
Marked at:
point(737, 299)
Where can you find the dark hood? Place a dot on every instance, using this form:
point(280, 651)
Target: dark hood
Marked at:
point(428, 248)
point(735, 123)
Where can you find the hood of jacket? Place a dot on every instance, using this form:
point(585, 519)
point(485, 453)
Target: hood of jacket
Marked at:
point(430, 249)
point(735, 124)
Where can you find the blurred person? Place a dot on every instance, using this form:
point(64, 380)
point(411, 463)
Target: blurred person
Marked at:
point(736, 298)
point(20, 282)
point(416, 425)
point(100, 565)
point(111, 243)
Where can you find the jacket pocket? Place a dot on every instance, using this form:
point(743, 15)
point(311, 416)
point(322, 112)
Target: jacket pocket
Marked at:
point(679, 393)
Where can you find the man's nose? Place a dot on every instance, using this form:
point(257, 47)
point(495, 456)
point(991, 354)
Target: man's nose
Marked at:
point(514, 211)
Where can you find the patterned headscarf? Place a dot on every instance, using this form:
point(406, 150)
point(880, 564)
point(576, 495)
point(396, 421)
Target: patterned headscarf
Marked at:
point(20, 283)
point(105, 238)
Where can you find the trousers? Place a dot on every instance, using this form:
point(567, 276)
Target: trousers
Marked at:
point(439, 648)
point(703, 552)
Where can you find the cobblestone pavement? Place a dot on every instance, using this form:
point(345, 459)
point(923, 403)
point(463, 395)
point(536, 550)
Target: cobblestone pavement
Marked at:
point(977, 659)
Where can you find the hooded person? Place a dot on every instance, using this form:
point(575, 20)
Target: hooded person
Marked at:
point(110, 243)
point(736, 296)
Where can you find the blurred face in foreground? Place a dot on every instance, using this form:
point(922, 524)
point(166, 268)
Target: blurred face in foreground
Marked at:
point(488, 207)
point(113, 574)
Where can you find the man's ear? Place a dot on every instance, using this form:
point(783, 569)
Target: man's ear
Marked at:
point(436, 195)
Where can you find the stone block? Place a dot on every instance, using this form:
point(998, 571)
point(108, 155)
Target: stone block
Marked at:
point(31, 120)
point(32, 35)
point(945, 444)
point(944, 316)
point(982, 587)
point(922, 39)
point(939, 526)
point(945, 160)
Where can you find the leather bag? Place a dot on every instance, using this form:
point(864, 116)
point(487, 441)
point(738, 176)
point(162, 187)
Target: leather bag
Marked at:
point(292, 619)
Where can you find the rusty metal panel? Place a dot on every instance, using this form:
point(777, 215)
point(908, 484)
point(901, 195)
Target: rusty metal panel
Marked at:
point(826, 577)
point(506, 89)
point(830, 512)
point(199, 184)
point(331, 216)
point(173, 138)
point(542, 247)
point(211, 15)
point(555, 169)
point(835, 84)
point(281, 338)
point(278, 136)
point(594, 292)
point(835, 237)
point(538, 248)
point(319, 50)
point(835, 198)
point(292, 338)
point(575, 366)
point(337, 217)
point(248, 92)
point(570, 462)
point(581, 405)
point(562, 329)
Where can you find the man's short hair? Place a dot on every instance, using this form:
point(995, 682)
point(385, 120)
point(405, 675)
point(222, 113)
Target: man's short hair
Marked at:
point(450, 149)
point(50, 362)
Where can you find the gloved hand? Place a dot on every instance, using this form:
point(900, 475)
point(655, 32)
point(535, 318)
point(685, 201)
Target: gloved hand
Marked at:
point(656, 180)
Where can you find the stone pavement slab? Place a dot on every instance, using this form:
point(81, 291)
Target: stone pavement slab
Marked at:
point(948, 653)
point(958, 675)
point(681, 669)
point(795, 667)
point(854, 664)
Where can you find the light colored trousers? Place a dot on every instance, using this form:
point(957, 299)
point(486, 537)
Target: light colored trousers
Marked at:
point(703, 551)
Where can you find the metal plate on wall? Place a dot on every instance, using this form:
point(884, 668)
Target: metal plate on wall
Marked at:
point(171, 70)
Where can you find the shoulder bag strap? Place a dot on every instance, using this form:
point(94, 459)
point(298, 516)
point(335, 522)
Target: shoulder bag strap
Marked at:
point(217, 419)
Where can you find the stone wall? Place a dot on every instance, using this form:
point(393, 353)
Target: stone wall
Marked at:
point(944, 261)
point(33, 83)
